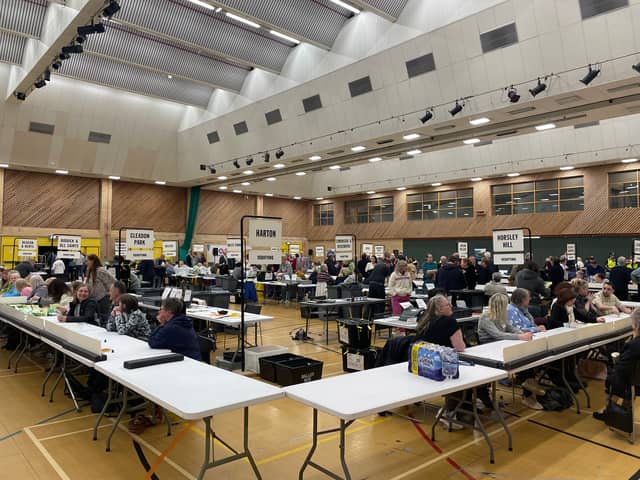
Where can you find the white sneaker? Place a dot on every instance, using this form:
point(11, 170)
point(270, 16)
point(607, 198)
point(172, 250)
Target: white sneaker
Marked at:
point(450, 424)
point(532, 403)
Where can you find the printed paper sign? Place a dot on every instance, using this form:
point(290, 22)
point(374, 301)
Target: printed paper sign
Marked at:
point(508, 241)
point(508, 258)
point(367, 248)
point(344, 256)
point(67, 254)
point(170, 248)
point(344, 243)
point(463, 249)
point(69, 242)
point(233, 248)
point(636, 247)
point(294, 248)
point(378, 251)
point(355, 361)
point(197, 248)
point(265, 233)
point(139, 244)
point(120, 248)
point(320, 251)
point(27, 247)
point(264, 257)
point(571, 251)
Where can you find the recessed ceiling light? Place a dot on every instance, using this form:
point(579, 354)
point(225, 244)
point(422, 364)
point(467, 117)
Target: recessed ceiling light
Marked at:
point(315, 157)
point(401, 188)
point(222, 177)
point(62, 172)
point(301, 174)
point(626, 160)
point(203, 4)
point(471, 141)
point(514, 174)
point(546, 126)
point(169, 77)
point(248, 172)
point(160, 182)
point(268, 194)
point(297, 198)
point(370, 192)
point(336, 167)
point(358, 148)
point(237, 191)
point(568, 167)
point(4, 165)
point(279, 165)
point(373, 160)
point(245, 184)
point(284, 37)
point(414, 152)
point(319, 198)
point(437, 184)
point(345, 5)
point(271, 179)
point(223, 187)
point(411, 136)
point(111, 177)
point(479, 121)
point(476, 179)
point(240, 19)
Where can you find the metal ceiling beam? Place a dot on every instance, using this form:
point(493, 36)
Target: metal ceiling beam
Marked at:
point(60, 27)
point(370, 8)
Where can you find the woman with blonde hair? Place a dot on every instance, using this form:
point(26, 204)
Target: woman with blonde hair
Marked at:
point(400, 286)
point(494, 324)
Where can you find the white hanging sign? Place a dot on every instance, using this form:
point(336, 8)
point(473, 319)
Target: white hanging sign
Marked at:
point(294, 248)
point(234, 248)
point(508, 240)
point(508, 258)
point(344, 243)
point(170, 248)
point(264, 257)
point(344, 256)
point(463, 249)
point(379, 251)
point(69, 242)
point(197, 248)
point(367, 248)
point(265, 233)
point(636, 247)
point(139, 244)
point(571, 251)
point(320, 251)
point(27, 247)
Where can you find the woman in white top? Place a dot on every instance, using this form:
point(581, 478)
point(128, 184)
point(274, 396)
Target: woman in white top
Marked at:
point(400, 286)
point(58, 267)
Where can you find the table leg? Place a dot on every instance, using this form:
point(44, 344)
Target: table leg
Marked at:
point(104, 409)
point(125, 395)
point(17, 350)
point(68, 384)
point(50, 372)
point(479, 426)
point(567, 386)
point(574, 365)
point(496, 408)
point(22, 350)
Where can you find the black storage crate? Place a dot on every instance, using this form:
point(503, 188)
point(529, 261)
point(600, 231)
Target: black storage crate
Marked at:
point(358, 333)
point(290, 369)
point(370, 356)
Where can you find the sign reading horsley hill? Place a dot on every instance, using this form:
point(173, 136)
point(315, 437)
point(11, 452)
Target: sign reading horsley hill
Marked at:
point(508, 247)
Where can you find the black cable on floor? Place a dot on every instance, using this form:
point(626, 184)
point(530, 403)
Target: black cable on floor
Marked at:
point(143, 459)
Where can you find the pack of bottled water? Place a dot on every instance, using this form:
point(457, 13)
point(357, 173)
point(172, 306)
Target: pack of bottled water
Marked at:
point(433, 361)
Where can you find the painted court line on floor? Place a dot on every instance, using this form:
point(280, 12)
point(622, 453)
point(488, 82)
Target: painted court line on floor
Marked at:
point(45, 453)
point(45, 423)
point(61, 435)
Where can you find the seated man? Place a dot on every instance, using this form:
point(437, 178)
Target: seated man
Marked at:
point(495, 286)
point(606, 302)
point(175, 331)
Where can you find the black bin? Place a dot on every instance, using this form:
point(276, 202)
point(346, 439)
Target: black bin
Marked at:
point(268, 365)
point(370, 356)
point(298, 370)
point(358, 333)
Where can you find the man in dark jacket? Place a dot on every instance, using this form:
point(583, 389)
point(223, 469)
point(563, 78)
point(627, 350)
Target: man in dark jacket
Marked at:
point(529, 279)
point(450, 276)
point(175, 331)
point(620, 276)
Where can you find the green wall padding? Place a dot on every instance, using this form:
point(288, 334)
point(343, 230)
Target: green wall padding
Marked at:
point(192, 216)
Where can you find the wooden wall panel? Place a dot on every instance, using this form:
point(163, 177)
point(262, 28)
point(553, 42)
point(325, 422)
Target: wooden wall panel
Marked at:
point(220, 213)
point(296, 218)
point(50, 201)
point(164, 209)
point(595, 219)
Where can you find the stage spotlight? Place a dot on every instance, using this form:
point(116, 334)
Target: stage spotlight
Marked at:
point(249, 161)
point(64, 56)
point(236, 164)
point(81, 39)
point(267, 157)
point(111, 9)
point(56, 65)
point(72, 49)
point(90, 29)
point(21, 96)
point(279, 154)
point(456, 109)
point(212, 169)
point(636, 67)
point(203, 167)
point(427, 116)
point(539, 88)
point(40, 83)
point(591, 74)
point(47, 75)
point(513, 96)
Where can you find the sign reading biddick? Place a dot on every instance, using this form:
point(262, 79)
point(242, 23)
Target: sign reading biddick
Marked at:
point(139, 244)
point(69, 246)
point(27, 247)
point(265, 233)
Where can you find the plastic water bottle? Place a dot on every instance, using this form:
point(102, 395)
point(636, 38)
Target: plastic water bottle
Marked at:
point(449, 363)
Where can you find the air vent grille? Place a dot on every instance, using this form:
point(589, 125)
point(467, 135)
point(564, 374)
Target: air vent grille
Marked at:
point(213, 137)
point(518, 111)
point(420, 65)
point(444, 127)
point(312, 103)
point(360, 86)
point(385, 141)
point(241, 128)
point(499, 38)
point(97, 137)
point(38, 127)
point(587, 124)
point(591, 8)
point(335, 152)
point(568, 100)
point(274, 116)
point(482, 144)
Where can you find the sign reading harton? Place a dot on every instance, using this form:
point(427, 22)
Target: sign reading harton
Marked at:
point(508, 240)
point(265, 233)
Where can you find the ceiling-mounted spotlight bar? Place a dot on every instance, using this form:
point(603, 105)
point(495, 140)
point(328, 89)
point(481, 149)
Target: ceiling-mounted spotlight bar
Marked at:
point(111, 9)
point(267, 157)
point(74, 48)
point(591, 75)
point(539, 88)
point(236, 164)
point(428, 115)
point(249, 161)
point(636, 67)
point(512, 94)
point(279, 153)
point(456, 109)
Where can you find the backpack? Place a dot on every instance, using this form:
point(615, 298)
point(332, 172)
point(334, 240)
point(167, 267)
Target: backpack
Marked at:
point(556, 399)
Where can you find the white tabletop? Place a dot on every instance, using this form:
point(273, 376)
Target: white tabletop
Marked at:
point(370, 391)
point(396, 323)
point(230, 319)
point(509, 288)
point(191, 389)
point(630, 304)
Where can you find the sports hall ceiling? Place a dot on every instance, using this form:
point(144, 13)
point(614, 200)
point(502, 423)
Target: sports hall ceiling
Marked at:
point(183, 50)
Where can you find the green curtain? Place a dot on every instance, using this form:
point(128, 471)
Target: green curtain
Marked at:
point(192, 216)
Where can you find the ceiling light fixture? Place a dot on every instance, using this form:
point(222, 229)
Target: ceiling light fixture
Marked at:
point(240, 19)
point(411, 136)
point(629, 160)
point(417, 151)
point(636, 67)
point(436, 184)
point(456, 109)
point(279, 165)
point(248, 172)
point(212, 170)
point(160, 182)
point(62, 172)
point(538, 89)
point(315, 158)
point(428, 115)
point(271, 179)
point(114, 177)
point(514, 174)
point(40, 83)
point(222, 177)
point(479, 121)
point(546, 126)
point(371, 160)
point(279, 153)
point(266, 157)
point(223, 187)
point(237, 191)
point(75, 48)
point(567, 168)
point(346, 6)
point(284, 37)
point(471, 141)
point(245, 184)
point(111, 9)
point(203, 4)
point(301, 174)
point(249, 160)
point(6, 165)
point(91, 29)
point(337, 167)
point(358, 148)
point(297, 198)
point(236, 164)
point(512, 94)
point(400, 189)
point(371, 192)
point(268, 194)
point(590, 76)
point(319, 198)
point(476, 179)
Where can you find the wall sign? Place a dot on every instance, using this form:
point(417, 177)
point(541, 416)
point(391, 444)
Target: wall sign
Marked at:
point(463, 249)
point(233, 248)
point(27, 247)
point(265, 233)
point(367, 248)
point(69, 246)
point(170, 248)
point(571, 251)
point(320, 251)
point(197, 248)
point(378, 251)
point(139, 244)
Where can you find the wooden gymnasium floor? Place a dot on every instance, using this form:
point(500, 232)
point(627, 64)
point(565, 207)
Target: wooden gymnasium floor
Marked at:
point(42, 440)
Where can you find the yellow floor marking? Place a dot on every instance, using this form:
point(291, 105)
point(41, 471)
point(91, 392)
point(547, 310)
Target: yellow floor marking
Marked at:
point(55, 465)
point(44, 439)
point(445, 455)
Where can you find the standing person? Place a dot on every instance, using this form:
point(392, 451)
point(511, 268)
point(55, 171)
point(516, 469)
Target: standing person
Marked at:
point(620, 276)
point(556, 274)
point(58, 268)
point(484, 276)
point(400, 286)
point(373, 260)
point(99, 281)
point(362, 265)
point(147, 271)
point(175, 331)
point(450, 277)
point(376, 280)
point(429, 269)
point(470, 272)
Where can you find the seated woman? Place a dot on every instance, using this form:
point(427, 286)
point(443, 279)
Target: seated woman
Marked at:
point(129, 320)
point(620, 377)
point(562, 310)
point(58, 293)
point(82, 309)
point(23, 288)
point(584, 309)
point(518, 314)
point(38, 289)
